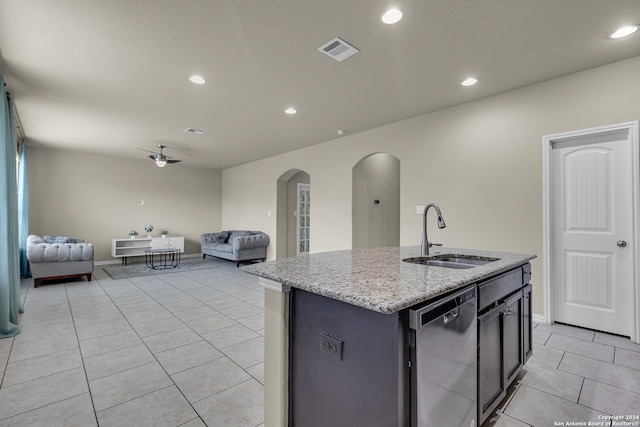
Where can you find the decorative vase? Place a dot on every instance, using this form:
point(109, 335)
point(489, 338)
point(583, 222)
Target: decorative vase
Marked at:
point(149, 236)
point(164, 236)
point(133, 237)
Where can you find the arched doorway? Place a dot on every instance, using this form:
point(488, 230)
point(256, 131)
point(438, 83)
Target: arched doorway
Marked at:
point(376, 201)
point(293, 213)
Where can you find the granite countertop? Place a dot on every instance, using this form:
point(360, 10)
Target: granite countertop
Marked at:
point(377, 279)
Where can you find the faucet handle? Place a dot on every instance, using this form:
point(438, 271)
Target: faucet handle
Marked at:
point(434, 244)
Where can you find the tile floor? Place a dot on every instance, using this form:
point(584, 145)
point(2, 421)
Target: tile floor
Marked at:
point(178, 349)
point(186, 349)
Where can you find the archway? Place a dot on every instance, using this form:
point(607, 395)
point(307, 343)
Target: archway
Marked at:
point(292, 237)
point(376, 201)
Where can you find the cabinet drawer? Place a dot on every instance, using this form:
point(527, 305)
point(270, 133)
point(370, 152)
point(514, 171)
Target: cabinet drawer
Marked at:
point(499, 287)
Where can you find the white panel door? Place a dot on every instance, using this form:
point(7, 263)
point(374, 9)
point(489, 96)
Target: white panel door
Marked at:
point(593, 219)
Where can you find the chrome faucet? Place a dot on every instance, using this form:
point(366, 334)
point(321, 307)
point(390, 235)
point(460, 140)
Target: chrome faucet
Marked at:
point(424, 248)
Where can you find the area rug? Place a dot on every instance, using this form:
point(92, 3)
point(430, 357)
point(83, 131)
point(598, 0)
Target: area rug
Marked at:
point(140, 269)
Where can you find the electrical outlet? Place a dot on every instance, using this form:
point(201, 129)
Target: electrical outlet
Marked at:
point(331, 345)
point(419, 209)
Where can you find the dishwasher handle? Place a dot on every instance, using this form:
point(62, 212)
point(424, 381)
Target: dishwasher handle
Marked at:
point(452, 315)
point(447, 308)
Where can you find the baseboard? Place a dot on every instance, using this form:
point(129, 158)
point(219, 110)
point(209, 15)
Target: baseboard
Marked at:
point(119, 261)
point(538, 318)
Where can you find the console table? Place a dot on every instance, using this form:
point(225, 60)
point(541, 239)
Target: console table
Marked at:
point(124, 248)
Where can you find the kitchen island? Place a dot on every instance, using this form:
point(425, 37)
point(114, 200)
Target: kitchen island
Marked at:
point(371, 292)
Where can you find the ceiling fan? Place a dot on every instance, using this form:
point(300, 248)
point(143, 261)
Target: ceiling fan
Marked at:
point(160, 159)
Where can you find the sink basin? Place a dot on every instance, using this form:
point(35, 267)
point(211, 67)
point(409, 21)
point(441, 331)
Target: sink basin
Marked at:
point(457, 261)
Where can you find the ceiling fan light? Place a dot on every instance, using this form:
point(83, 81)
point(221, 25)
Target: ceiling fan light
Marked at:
point(161, 163)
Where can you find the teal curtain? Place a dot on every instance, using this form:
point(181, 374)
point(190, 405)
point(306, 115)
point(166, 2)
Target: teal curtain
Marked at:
point(23, 211)
point(9, 250)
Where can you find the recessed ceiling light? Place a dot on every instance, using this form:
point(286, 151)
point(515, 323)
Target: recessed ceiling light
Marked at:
point(290, 110)
point(391, 16)
point(623, 32)
point(469, 82)
point(199, 80)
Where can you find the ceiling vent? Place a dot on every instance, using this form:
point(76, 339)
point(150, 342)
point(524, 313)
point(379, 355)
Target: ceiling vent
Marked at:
point(338, 49)
point(194, 131)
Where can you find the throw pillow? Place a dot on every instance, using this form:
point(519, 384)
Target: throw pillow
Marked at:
point(222, 237)
point(56, 239)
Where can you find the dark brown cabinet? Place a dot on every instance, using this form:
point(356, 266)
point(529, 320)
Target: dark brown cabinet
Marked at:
point(504, 337)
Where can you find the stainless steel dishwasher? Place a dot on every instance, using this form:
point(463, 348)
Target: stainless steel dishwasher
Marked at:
point(443, 354)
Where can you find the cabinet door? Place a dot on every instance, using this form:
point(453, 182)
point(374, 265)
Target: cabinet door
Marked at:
point(491, 381)
point(527, 330)
point(159, 243)
point(512, 340)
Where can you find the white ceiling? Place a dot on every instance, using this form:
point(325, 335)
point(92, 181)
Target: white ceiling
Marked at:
point(111, 76)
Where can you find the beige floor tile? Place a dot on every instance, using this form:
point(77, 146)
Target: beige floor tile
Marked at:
point(196, 422)
point(110, 342)
point(255, 322)
point(47, 331)
point(37, 320)
point(552, 381)
point(205, 380)
point(540, 336)
point(40, 392)
point(195, 313)
point(155, 314)
point(616, 341)
point(630, 359)
point(158, 327)
point(188, 356)
point(183, 304)
point(100, 329)
point(208, 324)
point(229, 336)
point(617, 376)
point(257, 372)
point(95, 308)
point(42, 347)
point(582, 347)
point(240, 311)
point(247, 353)
point(221, 302)
point(503, 420)
point(73, 412)
point(567, 330)
point(168, 340)
point(147, 303)
point(97, 317)
point(257, 302)
point(41, 366)
point(609, 399)
point(239, 406)
point(541, 409)
point(546, 356)
point(7, 343)
point(166, 407)
point(127, 385)
point(117, 361)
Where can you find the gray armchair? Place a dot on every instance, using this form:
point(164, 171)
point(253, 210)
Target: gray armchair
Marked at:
point(235, 245)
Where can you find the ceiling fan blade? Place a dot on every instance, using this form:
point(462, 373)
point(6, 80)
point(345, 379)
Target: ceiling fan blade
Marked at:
point(153, 157)
point(142, 149)
point(173, 161)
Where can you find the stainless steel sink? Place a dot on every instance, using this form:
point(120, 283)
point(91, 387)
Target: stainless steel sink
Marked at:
point(457, 261)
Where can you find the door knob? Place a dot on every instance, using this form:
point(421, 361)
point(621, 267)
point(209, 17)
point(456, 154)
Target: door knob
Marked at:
point(621, 243)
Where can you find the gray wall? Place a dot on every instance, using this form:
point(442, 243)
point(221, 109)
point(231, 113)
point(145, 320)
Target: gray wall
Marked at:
point(95, 198)
point(480, 161)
